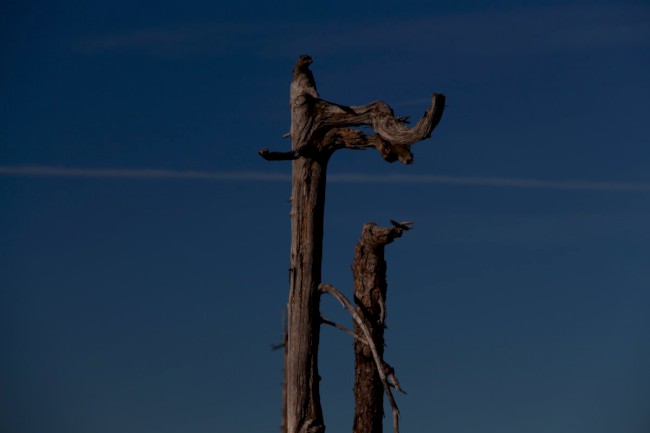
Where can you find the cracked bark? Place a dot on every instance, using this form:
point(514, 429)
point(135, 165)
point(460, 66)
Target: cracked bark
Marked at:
point(369, 270)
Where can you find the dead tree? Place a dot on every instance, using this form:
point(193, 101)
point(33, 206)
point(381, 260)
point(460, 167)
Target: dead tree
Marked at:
point(318, 129)
point(369, 270)
point(373, 376)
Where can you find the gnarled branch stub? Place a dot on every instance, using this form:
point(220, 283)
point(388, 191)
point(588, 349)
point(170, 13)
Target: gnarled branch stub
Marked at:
point(321, 127)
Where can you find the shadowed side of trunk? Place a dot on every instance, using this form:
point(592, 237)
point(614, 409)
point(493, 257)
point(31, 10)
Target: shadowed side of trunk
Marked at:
point(369, 269)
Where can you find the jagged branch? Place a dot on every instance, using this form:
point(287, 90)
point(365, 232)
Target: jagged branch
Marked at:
point(327, 288)
point(380, 117)
point(392, 138)
point(313, 119)
point(325, 321)
point(303, 151)
point(388, 370)
point(278, 156)
point(378, 236)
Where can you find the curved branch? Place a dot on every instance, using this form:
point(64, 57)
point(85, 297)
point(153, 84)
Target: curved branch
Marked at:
point(381, 118)
point(394, 131)
point(346, 138)
point(393, 138)
point(327, 288)
point(313, 119)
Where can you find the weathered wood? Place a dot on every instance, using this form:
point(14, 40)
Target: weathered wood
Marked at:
point(318, 128)
point(383, 369)
point(304, 413)
point(380, 117)
point(369, 270)
point(314, 119)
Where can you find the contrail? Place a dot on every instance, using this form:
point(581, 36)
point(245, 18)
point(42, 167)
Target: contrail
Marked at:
point(140, 173)
point(490, 181)
point(233, 176)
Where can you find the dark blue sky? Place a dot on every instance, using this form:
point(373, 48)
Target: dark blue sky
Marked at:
point(138, 301)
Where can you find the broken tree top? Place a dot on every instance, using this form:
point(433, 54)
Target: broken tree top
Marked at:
point(319, 127)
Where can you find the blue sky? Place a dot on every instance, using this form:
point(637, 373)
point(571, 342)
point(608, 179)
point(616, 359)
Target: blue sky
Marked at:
point(144, 245)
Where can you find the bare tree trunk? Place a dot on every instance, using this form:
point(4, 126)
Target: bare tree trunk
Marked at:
point(369, 269)
point(304, 414)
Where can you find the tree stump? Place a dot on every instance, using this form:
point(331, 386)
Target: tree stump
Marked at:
point(369, 270)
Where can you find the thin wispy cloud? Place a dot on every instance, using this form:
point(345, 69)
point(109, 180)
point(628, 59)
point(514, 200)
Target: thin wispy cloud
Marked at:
point(350, 178)
point(563, 28)
point(537, 29)
point(179, 41)
point(140, 173)
point(490, 181)
point(185, 40)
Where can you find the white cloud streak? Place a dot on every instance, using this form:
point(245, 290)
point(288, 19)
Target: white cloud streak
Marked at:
point(350, 178)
